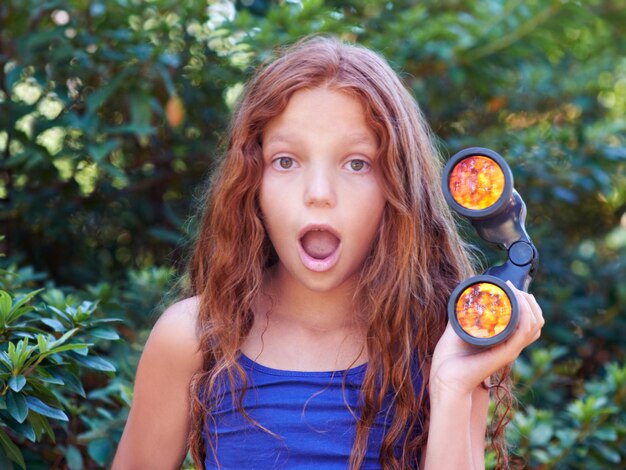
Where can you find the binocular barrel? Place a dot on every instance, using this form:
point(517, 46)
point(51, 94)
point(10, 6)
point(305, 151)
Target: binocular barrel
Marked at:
point(478, 184)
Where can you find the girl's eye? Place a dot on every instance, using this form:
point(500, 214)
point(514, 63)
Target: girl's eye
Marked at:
point(357, 165)
point(283, 163)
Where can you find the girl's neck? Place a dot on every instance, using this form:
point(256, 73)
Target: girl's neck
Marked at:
point(290, 301)
point(299, 329)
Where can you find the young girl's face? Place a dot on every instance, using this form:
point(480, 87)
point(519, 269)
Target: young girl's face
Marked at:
point(321, 193)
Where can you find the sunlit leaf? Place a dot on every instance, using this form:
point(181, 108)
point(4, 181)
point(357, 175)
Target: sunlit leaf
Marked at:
point(74, 458)
point(42, 408)
point(96, 363)
point(17, 382)
point(17, 406)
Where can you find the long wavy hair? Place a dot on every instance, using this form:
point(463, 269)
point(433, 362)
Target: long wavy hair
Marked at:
point(414, 264)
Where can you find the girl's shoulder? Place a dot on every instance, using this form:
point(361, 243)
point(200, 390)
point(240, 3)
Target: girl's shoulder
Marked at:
point(181, 315)
point(160, 408)
point(176, 334)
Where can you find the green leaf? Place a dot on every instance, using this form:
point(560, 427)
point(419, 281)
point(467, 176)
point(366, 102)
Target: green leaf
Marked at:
point(104, 333)
point(24, 429)
point(23, 350)
point(56, 325)
point(165, 75)
point(101, 95)
point(13, 357)
point(54, 297)
point(68, 347)
point(12, 451)
point(98, 152)
point(17, 313)
point(100, 450)
point(106, 414)
point(62, 339)
point(73, 383)
point(17, 382)
point(541, 434)
point(6, 360)
point(93, 362)
point(165, 234)
point(541, 455)
point(106, 320)
point(5, 306)
point(608, 454)
point(41, 425)
point(60, 313)
point(140, 110)
point(13, 76)
point(44, 376)
point(5, 463)
point(82, 351)
point(42, 392)
point(20, 353)
point(42, 408)
point(74, 458)
point(42, 343)
point(606, 434)
point(17, 406)
point(25, 299)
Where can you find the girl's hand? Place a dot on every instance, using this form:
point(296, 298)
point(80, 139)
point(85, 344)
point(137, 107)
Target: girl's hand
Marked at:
point(459, 367)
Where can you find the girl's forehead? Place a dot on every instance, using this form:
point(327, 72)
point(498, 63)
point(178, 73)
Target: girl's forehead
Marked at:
point(321, 110)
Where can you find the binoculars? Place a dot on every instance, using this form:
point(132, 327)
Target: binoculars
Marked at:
point(478, 184)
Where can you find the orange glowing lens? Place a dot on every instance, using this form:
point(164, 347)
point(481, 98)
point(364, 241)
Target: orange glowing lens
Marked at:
point(476, 182)
point(483, 310)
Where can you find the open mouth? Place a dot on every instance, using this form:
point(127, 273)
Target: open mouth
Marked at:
point(319, 244)
point(319, 249)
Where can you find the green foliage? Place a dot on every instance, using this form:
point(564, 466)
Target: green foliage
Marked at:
point(44, 351)
point(588, 431)
point(65, 378)
point(115, 107)
point(111, 113)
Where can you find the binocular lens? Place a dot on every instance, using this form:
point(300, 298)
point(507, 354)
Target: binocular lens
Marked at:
point(483, 310)
point(476, 182)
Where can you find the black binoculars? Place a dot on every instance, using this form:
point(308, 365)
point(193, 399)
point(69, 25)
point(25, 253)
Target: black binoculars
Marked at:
point(478, 184)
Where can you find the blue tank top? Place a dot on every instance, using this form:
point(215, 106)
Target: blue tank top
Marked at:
point(307, 411)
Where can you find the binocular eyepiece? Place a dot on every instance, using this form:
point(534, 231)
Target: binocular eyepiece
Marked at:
point(478, 184)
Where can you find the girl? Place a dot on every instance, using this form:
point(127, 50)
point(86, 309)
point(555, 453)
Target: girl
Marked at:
point(313, 333)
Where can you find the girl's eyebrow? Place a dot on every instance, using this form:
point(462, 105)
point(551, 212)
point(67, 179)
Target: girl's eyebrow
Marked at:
point(358, 138)
point(281, 138)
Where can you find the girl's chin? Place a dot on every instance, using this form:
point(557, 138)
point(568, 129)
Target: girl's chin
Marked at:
point(312, 281)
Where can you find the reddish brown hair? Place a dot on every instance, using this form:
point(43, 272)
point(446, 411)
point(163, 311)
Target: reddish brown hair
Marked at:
point(415, 262)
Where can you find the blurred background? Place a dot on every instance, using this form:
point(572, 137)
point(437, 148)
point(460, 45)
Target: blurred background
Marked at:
point(112, 114)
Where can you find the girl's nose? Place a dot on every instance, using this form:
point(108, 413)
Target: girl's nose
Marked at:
point(320, 188)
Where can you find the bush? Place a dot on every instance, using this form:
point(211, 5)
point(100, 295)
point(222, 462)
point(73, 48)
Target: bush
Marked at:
point(46, 354)
point(588, 431)
point(65, 376)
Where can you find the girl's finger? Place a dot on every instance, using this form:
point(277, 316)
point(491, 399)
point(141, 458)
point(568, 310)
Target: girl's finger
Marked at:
point(530, 319)
point(536, 309)
point(533, 309)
